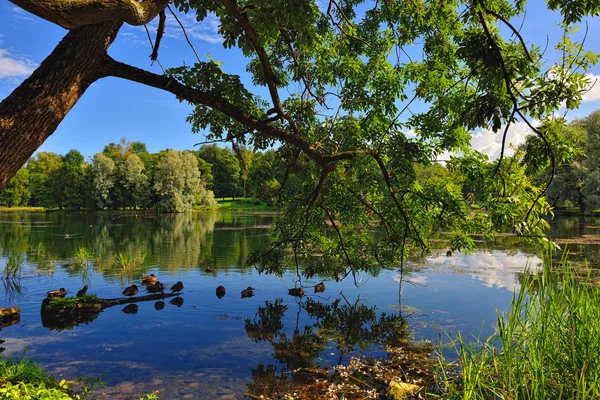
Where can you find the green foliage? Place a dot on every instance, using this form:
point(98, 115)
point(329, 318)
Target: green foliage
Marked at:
point(130, 261)
point(103, 179)
point(16, 192)
point(225, 170)
point(176, 181)
point(25, 380)
point(58, 303)
point(547, 346)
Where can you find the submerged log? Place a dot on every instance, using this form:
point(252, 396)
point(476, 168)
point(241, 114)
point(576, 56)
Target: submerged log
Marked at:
point(83, 312)
point(126, 300)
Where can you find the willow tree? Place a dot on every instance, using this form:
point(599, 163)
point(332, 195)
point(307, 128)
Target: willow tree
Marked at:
point(340, 84)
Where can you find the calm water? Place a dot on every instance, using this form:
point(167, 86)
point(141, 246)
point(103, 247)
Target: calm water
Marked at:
point(201, 346)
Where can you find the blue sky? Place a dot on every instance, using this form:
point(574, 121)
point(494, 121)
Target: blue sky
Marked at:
point(114, 108)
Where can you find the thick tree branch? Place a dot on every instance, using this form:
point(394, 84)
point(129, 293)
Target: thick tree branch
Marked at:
point(73, 14)
point(125, 71)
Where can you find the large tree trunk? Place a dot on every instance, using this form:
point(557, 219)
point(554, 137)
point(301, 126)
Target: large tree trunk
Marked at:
point(33, 111)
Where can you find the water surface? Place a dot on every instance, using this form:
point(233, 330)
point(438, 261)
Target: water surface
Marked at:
point(200, 346)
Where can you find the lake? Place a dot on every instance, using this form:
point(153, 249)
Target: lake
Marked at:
point(200, 346)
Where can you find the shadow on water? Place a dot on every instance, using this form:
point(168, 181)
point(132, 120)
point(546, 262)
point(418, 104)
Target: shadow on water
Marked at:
point(339, 328)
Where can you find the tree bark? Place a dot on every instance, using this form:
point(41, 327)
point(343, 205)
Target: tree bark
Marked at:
point(74, 14)
point(33, 111)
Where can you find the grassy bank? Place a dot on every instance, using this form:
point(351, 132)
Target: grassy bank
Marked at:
point(24, 379)
point(239, 204)
point(22, 209)
point(547, 346)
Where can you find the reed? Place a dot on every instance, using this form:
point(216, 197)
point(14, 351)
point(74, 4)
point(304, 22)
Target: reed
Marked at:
point(14, 265)
point(547, 346)
point(130, 261)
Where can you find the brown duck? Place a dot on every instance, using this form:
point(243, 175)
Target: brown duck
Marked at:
point(298, 292)
point(178, 287)
point(248, 292)
point(149, 280)
point(82, 291)
point(62, 292)
point(319, 287)
point(220, 291)
point(157, 287)
point(209, 269)
point(131, 290)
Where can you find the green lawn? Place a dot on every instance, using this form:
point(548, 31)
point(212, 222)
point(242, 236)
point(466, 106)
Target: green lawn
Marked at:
point(22, 209)
point(239, 204)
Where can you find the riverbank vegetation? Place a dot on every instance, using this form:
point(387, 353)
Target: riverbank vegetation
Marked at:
point(125, 176)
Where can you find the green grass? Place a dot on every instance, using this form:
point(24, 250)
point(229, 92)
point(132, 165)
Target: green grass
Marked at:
point(57, 303)
point(547, 346)
point(239, 204)
point(22, 209)
point(24, 379)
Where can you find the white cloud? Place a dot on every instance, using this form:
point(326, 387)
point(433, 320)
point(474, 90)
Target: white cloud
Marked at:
point(13, 66)
point(21, 15)
point(593, 94)
point(490, 143)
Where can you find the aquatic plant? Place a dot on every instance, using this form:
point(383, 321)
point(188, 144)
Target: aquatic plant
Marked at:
point(84, 255)
point(129, 261)
point(14, 265)
point(546, 346)
point(71, 302)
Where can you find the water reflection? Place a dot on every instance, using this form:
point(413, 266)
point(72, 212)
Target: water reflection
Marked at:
point(347, 327)
point(223, 343)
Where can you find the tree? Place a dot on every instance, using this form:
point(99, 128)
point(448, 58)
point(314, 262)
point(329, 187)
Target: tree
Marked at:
point(103, 179)
point(70, 180)
point(134, 181)
point(16, 192)
point(225, 169)
point(342, 121)
point(43, 190)
point(176, 181)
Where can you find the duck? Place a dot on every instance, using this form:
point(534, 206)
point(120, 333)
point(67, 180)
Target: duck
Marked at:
point(177, 301)
point(209, 269)
point(157, 287)
point(248, 292)
point(130, 309)
point(220, 291)
point(298, 292)
point(178, 287)
point(319, 287)
point(82, 291)
point(149, 280)
point(131, 290)
point(62, 292)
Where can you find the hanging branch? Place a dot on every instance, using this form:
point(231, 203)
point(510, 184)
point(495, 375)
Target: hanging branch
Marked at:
point(160, 31)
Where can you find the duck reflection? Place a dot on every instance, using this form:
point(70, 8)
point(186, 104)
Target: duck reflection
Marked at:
point(130, 309)
point(159, 305)
point(177, 301)
point(347, 327)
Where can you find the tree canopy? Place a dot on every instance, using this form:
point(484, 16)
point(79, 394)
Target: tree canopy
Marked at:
point(340, 85)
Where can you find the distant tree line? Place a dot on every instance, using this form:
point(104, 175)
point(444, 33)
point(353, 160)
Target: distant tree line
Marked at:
point(125, 175)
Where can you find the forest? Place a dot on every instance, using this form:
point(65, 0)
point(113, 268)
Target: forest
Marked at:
point(125, 175)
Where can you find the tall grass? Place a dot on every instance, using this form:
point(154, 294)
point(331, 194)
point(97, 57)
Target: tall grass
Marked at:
point(547, 346)
point(130, 261)
point(14, 265)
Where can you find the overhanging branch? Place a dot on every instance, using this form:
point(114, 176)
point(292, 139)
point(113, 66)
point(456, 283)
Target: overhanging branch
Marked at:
point(73, 14)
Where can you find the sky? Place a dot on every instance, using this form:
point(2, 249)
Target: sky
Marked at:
point(113, 108)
